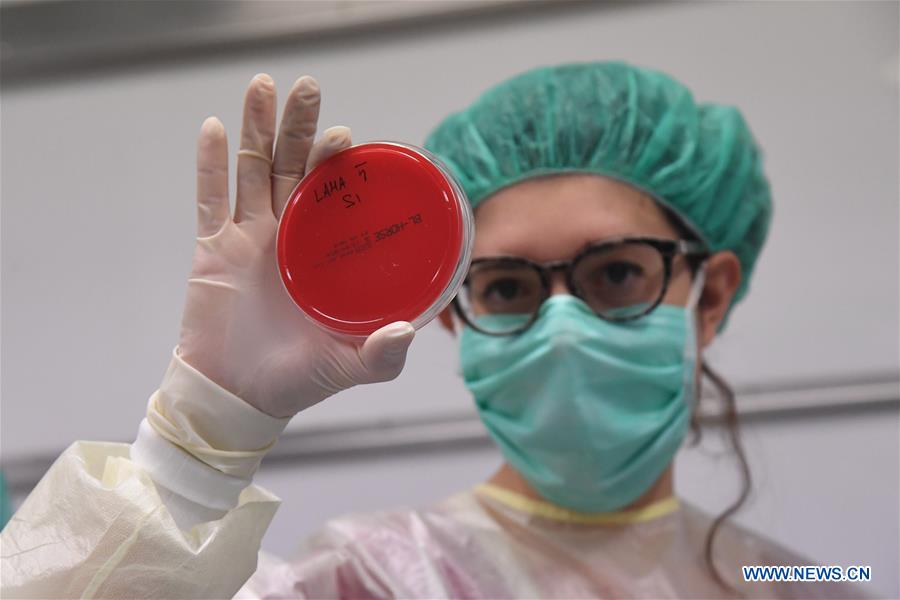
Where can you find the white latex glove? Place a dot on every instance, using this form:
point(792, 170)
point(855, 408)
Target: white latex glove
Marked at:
point(240, 327)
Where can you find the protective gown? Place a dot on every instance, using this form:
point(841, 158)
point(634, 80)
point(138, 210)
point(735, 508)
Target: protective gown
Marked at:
point(98, 525)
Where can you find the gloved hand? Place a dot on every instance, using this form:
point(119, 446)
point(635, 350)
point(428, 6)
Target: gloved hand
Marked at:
point(240, 327)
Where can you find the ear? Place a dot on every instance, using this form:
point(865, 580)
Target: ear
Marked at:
point(723, 276)
point(446, 319)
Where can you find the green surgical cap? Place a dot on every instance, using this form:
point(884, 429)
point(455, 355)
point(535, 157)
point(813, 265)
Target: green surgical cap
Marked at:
point(629, 123)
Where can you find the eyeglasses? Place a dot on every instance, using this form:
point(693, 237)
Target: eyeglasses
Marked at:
point(620, 279)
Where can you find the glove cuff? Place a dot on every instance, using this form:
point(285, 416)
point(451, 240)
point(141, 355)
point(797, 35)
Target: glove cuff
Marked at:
point(209, 422)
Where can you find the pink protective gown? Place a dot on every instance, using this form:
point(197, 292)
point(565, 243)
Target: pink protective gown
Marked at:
point(491, 543)
point(174, 515)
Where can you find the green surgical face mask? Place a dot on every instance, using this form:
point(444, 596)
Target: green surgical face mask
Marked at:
point(590, 412)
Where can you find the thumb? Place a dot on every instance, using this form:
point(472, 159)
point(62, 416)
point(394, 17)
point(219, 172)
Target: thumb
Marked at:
point(383, 354)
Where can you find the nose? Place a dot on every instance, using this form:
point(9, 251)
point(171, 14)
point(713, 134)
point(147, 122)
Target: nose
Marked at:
point(558, 283)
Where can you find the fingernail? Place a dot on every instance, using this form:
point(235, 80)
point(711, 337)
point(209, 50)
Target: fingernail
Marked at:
point(264, 79)
point(307, 84)
point(398, 347)
point(402, 328)
point(400, 339)
point(337, 135)
point(212, 124)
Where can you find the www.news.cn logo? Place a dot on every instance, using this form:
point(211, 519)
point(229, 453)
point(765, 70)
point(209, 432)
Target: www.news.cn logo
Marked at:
point(807, 573)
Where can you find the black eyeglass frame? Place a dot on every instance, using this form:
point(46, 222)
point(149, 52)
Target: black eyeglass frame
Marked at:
point(667, 248)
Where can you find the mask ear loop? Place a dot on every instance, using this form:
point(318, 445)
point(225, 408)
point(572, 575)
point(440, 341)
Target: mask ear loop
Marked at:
point(697, 287)
point(691, 343)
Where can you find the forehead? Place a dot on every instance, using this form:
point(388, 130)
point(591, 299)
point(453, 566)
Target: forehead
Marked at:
point(551, 218)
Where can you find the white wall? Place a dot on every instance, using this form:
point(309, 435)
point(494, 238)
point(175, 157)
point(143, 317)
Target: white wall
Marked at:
point(98, 219)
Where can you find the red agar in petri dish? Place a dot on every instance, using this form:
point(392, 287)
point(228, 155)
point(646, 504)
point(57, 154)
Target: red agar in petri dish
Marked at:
point(379, 232)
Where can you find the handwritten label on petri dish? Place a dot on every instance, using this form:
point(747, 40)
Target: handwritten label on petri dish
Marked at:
point(338, 186)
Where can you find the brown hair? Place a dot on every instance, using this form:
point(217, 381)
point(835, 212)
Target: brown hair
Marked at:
point(729, 417)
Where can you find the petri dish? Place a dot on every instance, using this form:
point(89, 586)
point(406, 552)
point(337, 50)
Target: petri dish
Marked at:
point(379, 232)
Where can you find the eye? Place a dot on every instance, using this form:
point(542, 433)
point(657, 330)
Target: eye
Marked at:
point(629, 275)
point(503, 289)
point(614, 282)
point(620, 273)
point(506, 292)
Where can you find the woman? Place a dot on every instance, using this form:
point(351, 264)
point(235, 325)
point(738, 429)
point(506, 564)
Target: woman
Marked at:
point(617, 223)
